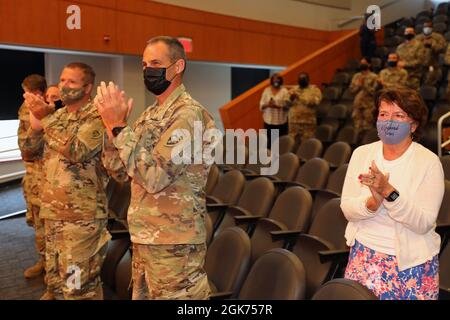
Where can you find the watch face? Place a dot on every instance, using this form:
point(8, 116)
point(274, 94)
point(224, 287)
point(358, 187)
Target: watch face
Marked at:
point(393, 196)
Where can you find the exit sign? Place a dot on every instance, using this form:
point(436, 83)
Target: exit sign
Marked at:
point(187, 44)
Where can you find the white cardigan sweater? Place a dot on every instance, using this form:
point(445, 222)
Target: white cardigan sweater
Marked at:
point(414, 212)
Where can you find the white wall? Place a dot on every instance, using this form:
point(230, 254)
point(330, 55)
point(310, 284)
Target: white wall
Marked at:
point(301, 14)
point(106, 68)
point(208, 83)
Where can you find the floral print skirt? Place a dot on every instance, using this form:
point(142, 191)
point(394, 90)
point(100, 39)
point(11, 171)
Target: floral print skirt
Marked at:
point(379, 272)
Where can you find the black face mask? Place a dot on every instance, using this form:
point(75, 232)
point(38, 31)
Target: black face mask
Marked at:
point(392, 63)
point(155, 79)
point(303, 82)
point(409, 36)
point(364, 67)
point(58, 104)
point(276, 84)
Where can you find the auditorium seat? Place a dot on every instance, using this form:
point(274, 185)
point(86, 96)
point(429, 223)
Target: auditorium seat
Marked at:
point(286, 144)
point(213, 178)
point(276, 275)
point(445, 161)
point(227, 191)
point(311, 175)
point(343, 289)
point(308, 149)
point(123, 277)
point(291, 211)
point(332, 190)
point(338, 154)
point(256, 200)
point(227, 261)
point(114, 254)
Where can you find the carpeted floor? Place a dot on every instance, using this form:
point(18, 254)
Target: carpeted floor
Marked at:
point(11, 198)
point(18, 252)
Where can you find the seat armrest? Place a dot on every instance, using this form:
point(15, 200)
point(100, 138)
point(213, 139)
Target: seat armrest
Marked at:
point(247, 219)
point(334, 255)
point(212, 199)
point(216, 207)
point(221, 295)
point(285, 235)
point(119, 234)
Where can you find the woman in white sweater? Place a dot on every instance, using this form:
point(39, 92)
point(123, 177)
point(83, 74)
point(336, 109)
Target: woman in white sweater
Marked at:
point(391, 197)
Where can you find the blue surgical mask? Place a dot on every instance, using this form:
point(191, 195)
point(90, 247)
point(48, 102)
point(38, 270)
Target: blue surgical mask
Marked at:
point(393, 132)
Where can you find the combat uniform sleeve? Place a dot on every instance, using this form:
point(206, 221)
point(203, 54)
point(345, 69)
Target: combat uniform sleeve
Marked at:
point(151, 165)
point(447, 55)
point(75, 145)
point(30, 146)
point(285, 97)
point(264, 99)
point(316, 96)
point(354, 86)
point(420, 55)
point(370, 83)
point(439, 45)
point(112, 162)
point(404, 77)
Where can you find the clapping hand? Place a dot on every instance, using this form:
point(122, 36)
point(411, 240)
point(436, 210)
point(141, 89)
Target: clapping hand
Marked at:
point(112, 105)
point(37, 105)
point(378, 184)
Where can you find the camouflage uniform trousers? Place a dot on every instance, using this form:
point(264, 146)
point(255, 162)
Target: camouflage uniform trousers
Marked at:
point(75, 251)
point(302, 123)
point(363, 112)
point(39, 228)
point(414, 76)
point(169, 272)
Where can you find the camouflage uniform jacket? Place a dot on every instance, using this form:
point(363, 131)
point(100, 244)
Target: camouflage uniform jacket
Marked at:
point(302, 107)
point(364, 84)
point(74, 180)
point(167, 200)
point(393, 77)
point(438, 44)
point(33, 160)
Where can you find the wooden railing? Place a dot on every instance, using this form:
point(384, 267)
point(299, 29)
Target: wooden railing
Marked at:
point(243, 112)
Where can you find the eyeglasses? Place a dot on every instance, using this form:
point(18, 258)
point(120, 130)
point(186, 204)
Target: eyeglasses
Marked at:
point(399, 116)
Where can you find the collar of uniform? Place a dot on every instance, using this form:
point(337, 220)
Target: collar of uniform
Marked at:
point(162, 109)
point(80, 113)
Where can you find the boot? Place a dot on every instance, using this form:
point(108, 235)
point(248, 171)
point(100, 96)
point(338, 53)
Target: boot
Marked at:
point(47, 296)
point(35, 270)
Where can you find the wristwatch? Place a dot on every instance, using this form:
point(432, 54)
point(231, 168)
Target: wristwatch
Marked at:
point(393, 196)
point(116, 130)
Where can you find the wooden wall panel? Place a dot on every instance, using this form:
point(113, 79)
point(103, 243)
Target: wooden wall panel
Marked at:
point(243, 112)
point(111, 4)
point(32, 22)
point(130, 23)
point(255, 48)
point(96, 23)
point(134, 30)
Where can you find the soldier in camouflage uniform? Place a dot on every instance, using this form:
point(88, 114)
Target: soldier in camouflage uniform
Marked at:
point(37, 85)
point(166, 217)
point(413, 53)
point(302, 114)
point(73, 198)
point(434, 44)
point(393, 75)
point(364, 85)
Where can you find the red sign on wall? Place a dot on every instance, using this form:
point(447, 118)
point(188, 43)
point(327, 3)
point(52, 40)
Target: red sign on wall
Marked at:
point(187, 44)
